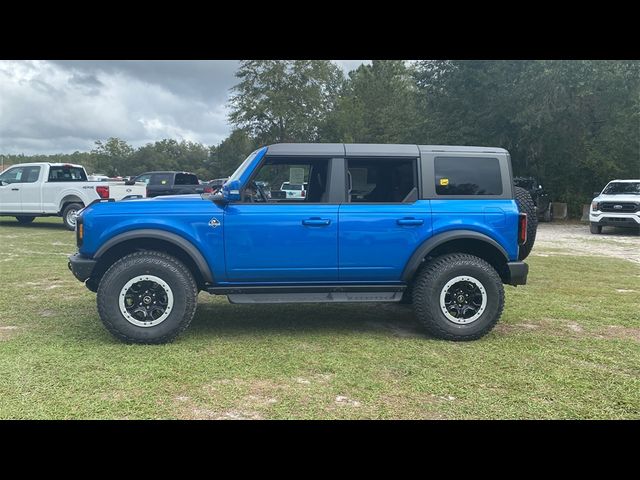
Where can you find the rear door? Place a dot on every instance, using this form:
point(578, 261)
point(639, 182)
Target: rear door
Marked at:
point(383, 221)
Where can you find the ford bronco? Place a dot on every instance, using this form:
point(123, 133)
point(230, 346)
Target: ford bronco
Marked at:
point(438, 227)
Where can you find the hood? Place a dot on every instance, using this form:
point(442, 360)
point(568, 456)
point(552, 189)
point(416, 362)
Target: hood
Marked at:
point(618, 198)
point(170, 204)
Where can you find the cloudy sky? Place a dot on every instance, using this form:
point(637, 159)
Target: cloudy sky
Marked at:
point(64, 106)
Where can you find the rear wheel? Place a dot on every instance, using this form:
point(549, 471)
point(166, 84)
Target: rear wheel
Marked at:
point(593, 228)
point(458, 297)
point(147, 297)
point(23, 219)
point(526, 205)
point(69, 214)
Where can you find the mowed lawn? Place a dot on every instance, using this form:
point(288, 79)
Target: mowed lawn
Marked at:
point(568, 346)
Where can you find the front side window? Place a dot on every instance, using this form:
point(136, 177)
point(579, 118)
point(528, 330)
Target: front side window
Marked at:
point(289, 180)
point(13, 175)
point(382, 180)
point(468, 176)
point(67, 174)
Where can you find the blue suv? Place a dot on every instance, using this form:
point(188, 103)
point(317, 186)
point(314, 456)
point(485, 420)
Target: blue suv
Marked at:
point(439, 227)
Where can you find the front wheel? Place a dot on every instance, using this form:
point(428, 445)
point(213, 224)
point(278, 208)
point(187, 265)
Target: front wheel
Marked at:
point(69, 214)
point(147, 297)
point(458, 297)
point(595, 229)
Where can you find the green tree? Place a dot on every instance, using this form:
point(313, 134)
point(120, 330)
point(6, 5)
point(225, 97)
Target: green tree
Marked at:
point(377, 105)
point(284, 100)
point(227, 156)
point(111, 157)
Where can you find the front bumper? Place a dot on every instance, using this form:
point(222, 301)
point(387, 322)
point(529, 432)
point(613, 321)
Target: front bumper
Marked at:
point(81, 266)
point(518, 272)
point(607, 219)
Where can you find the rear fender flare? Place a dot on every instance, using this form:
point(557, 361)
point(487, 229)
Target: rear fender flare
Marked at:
point(428, 245)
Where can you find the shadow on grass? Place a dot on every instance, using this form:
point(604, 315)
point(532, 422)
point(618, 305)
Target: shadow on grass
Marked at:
point(6, 223)
point(300, 319)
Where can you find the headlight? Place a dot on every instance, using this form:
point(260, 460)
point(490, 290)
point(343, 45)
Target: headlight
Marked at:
point(594, 206)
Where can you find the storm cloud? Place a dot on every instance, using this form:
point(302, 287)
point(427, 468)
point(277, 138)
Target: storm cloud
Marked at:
point(64, 106)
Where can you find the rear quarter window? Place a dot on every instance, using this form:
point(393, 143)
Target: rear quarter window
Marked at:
point(467, 176)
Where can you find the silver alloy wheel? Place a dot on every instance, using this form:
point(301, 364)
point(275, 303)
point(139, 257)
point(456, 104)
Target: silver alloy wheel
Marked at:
point(146, 301)
point(71, 217)
point(463, 299)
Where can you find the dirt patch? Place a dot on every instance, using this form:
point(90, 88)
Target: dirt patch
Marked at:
point(621, 333)
point(575, 239)
point(7, 332)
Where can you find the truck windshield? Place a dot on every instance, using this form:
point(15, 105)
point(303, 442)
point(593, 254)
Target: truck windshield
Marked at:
point(67, 173)
point(620, 188)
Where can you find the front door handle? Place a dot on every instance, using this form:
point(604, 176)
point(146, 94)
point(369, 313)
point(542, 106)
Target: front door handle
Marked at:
point(15, 189)
point(316, 222)
point(409, 221)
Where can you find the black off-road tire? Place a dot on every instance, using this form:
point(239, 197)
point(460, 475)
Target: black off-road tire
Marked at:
point(526, 205)
point(25, 219)
point(595, 229)
point(430, 282)
point(66, 213)
point(170, 270)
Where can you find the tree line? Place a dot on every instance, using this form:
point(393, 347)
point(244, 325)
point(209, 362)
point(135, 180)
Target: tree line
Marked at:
point(574, 124)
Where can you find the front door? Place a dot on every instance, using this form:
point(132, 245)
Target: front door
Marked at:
point(272, 237)
point(383, 221)
point(10, 197)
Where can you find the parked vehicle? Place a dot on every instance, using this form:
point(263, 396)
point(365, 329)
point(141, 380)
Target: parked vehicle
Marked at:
point(30, 190)
point(294, 190)
point(618, 205)
point(540, 197)
point(171, 183)
point(440, 227)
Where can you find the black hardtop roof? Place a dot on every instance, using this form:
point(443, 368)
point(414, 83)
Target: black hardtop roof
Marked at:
point(372, 149)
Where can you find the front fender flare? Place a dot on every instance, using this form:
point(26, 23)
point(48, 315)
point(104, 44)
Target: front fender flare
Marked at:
point(428, 245)
point(176, 240)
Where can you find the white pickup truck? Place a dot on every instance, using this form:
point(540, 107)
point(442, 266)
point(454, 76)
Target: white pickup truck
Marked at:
point(30, 190)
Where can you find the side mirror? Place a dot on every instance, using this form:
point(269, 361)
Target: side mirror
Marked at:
point(218, 199)
point(1, 183)
point(231, 191)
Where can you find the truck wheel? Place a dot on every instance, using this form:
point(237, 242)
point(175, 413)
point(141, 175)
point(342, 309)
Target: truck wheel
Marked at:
point(547, 214)
point(526, 205)
point(458, 297)
point(147, 297)
point(595, 228)
point(69, 215)
point(22, 219)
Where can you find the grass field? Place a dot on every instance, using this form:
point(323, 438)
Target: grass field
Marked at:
point(568, 346)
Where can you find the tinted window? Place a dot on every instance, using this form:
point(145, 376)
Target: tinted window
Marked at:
point(382, 181)
point(468, 176)
point(161, 179)
point(67, 174)
point(186, 179)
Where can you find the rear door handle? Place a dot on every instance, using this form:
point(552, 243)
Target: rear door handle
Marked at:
point(15, 189)
point(316, 222)
point(409, 221)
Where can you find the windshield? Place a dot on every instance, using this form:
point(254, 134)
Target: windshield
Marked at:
point(243, 166)
point(619, 188)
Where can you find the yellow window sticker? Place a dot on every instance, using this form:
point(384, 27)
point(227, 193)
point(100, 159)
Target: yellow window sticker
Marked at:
point(444, 182)
point(163, 182)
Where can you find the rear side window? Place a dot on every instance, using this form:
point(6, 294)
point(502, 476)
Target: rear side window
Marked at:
point(186, 179)
point(382, 180)
point(468, 176)
point(67, 174)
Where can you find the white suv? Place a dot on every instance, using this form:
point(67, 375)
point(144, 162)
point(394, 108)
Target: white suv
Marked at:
point(617, 206)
